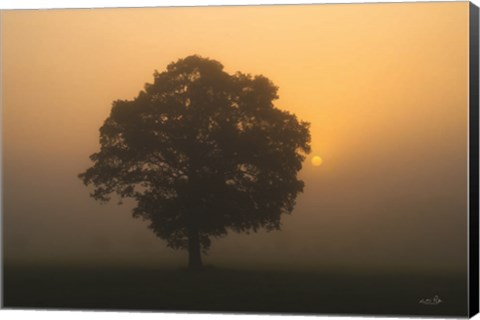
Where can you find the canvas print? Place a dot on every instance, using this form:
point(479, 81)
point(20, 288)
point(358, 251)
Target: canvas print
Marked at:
point(295, 159)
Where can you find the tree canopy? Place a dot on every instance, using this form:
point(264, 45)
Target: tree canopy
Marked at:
point(201, 152)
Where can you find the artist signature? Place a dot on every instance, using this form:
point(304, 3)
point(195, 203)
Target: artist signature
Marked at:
point(431, 302)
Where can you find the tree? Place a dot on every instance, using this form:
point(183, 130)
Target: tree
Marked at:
point(202, 152)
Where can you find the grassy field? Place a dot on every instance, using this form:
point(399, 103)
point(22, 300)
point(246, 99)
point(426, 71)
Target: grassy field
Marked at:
point(224, 290)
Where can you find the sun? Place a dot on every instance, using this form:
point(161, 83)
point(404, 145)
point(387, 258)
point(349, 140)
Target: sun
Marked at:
point(316, 161)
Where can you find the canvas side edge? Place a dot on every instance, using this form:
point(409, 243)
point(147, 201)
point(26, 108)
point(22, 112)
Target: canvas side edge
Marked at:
point(473, 261)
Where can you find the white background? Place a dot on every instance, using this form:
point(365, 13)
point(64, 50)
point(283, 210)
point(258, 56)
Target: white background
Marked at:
point(70, 315)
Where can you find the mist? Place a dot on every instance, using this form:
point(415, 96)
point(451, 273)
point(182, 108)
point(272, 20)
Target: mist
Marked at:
point(387, 103)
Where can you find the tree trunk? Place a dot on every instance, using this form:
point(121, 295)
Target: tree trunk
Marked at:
point(194, 252)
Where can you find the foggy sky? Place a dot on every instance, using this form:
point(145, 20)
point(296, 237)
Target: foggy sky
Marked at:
point(384, 86)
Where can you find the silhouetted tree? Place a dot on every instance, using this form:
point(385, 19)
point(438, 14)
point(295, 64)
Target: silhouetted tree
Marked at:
point(202, 152)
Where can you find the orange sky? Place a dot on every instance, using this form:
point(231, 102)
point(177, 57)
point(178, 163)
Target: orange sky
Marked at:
point(384, 86)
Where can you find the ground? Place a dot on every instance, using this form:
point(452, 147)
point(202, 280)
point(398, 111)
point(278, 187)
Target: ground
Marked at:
point(237, 291)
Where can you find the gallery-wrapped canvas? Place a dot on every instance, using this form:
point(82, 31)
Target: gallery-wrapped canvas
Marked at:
point(281, 159)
